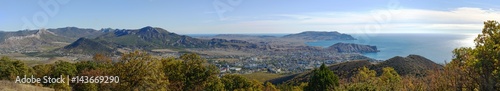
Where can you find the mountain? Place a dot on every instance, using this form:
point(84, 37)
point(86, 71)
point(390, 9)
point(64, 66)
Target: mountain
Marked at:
point(42, 40)
point(412, 65)
point(317, 35)
point(75, 33)
point(352, 48)
point(149, 38)
point(89, 47)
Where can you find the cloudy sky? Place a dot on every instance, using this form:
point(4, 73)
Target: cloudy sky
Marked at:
point(253, 16)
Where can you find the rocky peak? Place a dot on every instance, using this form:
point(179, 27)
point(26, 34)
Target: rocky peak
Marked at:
point(148, 29)
point(44, 31)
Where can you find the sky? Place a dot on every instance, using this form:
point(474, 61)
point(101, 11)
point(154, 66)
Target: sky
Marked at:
point(253, 16)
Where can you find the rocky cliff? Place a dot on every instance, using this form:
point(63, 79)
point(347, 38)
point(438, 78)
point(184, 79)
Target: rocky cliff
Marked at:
point(352, 48)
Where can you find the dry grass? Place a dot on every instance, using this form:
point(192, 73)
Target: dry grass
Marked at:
point(11, 86)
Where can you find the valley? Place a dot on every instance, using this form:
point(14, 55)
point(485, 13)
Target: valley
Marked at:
point(288, 53)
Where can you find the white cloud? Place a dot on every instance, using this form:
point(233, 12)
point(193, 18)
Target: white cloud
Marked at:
point(401, 20)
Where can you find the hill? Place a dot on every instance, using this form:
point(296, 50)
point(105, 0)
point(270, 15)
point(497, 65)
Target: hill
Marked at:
point(352, 48)
point(412, 65)
point(38, 41)
point(83, 45)
point(25, 41)
point(317, 35)
point(409, 65)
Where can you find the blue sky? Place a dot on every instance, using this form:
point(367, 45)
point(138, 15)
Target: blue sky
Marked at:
point(253, 16)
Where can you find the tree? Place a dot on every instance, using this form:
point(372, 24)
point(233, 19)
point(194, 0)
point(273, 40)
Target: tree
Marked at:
point(269, 87)
point(43, 70)
point(234, 82)
point(322, 79)
point(215, 84)
point(365, 75)
point(365, 80)
point(390, 79)
point(139, 71)
point(482, 63)
point(10, 69)
point(190, 72)
point(64, 68)
point(91, 86)
point(100, 58)
point(175, 70)
point(86, 65)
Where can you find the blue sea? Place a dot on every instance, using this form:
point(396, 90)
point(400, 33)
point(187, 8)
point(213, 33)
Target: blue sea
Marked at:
point(436, 47)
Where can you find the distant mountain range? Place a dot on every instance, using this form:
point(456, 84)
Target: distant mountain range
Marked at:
point(414, 65)
point(147, 38)
point(318, 35)
point(75, 40)
point(90, 41)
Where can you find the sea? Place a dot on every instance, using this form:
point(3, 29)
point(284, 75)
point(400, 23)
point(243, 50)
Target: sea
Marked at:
point(437, 47)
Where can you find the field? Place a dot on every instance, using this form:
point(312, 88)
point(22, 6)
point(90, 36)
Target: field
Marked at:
point(11, 86)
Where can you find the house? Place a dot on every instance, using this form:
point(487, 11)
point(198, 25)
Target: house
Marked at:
point(235, 69)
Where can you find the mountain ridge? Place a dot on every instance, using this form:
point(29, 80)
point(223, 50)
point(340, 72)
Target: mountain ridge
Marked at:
point(149, 38)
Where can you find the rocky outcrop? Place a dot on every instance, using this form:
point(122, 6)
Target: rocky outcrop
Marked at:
point(352, 48)
point(318, 35)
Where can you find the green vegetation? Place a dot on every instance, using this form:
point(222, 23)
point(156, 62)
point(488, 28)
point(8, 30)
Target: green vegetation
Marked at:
point(10, 68)
point(137, 71)
point(322, 79)
point(189, 72)
point(481, 64)
point(471, 69)
point(262, 76)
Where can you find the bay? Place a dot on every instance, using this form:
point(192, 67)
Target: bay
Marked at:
point(436, 47)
